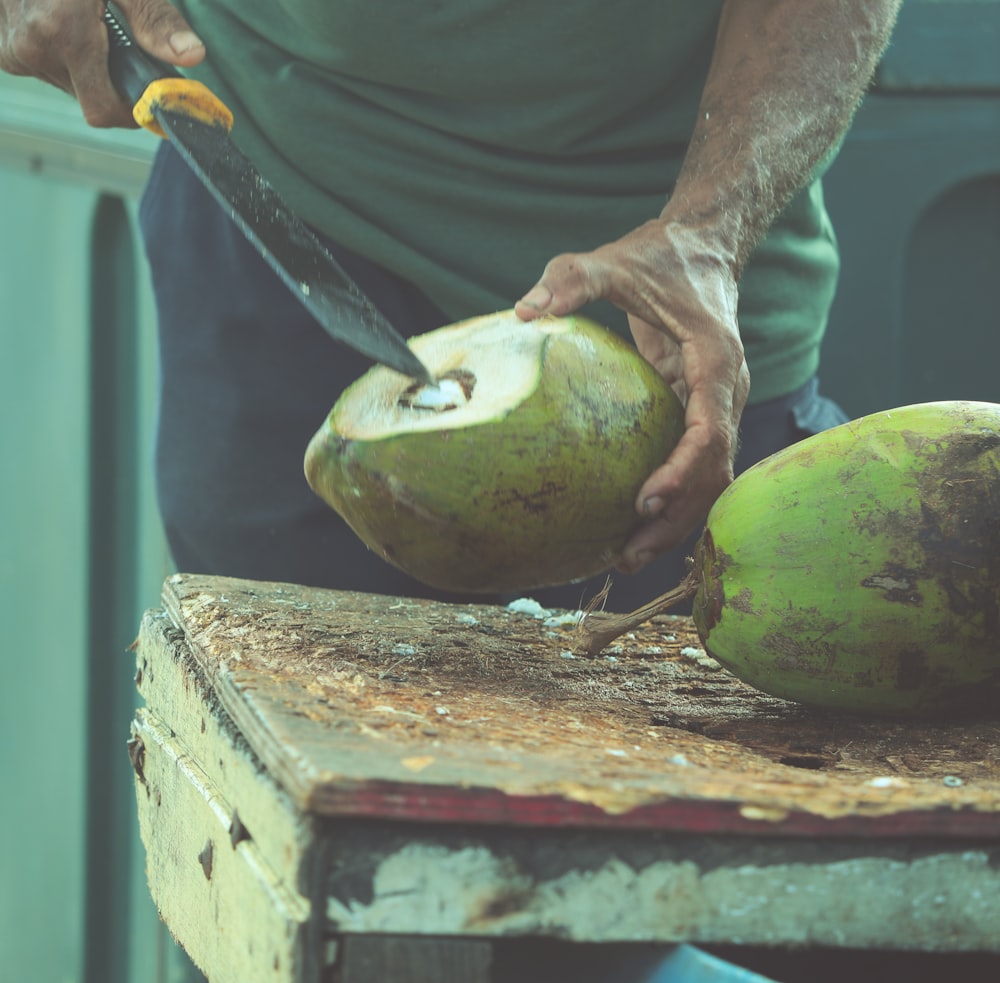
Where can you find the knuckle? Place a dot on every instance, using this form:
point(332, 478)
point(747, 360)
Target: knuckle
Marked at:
point(104, 114)
point(736, 348)
point(733, 354)
point(721, 449)
point(564, 267)
point(742, 387)
point(717, 442)
point(154, 16)
point(570, 280)
point(26, 46)
point(9, 65)
point(98, 117)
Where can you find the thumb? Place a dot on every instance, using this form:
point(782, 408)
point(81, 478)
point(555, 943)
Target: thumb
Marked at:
point(159, 28)
point(568, 282)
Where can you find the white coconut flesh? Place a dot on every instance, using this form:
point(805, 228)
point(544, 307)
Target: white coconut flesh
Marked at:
point(448, 393)
point(484, 368)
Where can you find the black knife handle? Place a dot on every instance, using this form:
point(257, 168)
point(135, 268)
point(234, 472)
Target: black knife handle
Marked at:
point(131, 69)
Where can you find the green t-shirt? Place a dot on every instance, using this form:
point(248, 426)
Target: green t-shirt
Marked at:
point(464, 143)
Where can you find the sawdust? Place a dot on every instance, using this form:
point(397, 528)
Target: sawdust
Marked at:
point(652, 716)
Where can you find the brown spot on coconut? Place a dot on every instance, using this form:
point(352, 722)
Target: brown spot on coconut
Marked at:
point(874, 593)
point(518, 470)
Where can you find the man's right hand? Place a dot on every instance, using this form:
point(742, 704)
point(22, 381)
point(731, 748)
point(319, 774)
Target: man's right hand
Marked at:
point(65, 43)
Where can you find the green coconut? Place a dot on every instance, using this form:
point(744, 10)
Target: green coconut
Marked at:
point(518, 470)
point(859, 569)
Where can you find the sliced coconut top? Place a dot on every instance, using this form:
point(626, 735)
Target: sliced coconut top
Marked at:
point(484, 367)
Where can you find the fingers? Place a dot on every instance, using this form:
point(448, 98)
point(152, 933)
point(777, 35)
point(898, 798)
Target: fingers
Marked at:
point(65, 43)
point(678, 495)
point(679, 290)
point(27, 35)
point(634, 273)
point(159, 27)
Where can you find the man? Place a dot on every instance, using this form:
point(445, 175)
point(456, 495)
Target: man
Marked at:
point(667, 155)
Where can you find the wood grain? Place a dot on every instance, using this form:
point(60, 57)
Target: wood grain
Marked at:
point(369, 705)
point(236, 919)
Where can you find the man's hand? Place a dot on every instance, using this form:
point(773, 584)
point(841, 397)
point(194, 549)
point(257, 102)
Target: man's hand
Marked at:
point(680, 293)
point(65, 43)
point(783, 85)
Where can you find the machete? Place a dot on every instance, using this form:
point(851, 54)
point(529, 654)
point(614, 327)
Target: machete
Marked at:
point(197, 123)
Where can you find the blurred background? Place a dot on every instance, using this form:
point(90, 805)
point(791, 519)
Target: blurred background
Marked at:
point(915, 197)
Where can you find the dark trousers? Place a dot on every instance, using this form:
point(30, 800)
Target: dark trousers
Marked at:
point(247, 377)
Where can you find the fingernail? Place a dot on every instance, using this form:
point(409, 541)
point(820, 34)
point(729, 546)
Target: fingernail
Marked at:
point(181, 42)
point(652, 506)
point(538, 297)
point(634, 562)
point(642, 558)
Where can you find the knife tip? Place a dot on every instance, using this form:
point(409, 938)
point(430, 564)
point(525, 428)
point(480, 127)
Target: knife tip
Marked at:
point(426, 377)
point(419, 372)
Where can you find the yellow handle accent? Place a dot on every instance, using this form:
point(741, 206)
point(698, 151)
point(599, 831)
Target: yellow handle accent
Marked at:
point(181, 95)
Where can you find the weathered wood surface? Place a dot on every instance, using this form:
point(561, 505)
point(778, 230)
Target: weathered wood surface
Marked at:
point(367, 705)
point(236, 919)
point(180, 699)
point(278, 885)
point(293, 729)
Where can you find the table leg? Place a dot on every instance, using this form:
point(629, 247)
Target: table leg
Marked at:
point(411, 959)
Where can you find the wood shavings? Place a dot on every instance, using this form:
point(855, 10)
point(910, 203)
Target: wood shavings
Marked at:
point(319, 669)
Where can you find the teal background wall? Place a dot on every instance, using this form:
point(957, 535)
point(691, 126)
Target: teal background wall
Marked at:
point(81, 553)
point(915, 198)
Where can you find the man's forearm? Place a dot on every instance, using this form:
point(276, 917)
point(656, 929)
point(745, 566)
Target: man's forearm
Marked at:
point(785, 80)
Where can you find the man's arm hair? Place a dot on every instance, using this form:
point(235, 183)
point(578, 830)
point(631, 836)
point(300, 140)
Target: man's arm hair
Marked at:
point(785, 80)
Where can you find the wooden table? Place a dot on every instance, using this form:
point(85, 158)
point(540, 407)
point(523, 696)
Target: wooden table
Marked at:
point(331, 782)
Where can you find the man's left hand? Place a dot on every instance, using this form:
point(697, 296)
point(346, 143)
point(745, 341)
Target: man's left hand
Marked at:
point(679, 290)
